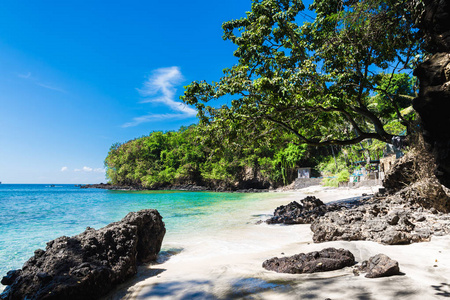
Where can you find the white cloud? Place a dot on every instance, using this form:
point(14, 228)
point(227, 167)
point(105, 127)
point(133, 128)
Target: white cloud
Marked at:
point(160, 88)
point(89, 170)
point(63, 169)
point(99, 170)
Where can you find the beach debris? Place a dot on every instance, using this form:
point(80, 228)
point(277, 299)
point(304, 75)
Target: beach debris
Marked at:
point(379, 265)
point(88, 265)
point(318, 261)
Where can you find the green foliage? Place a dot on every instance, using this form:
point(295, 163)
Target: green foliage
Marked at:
point(342, 176)
point(207, 155)
point(331, 165)
point(316, 81)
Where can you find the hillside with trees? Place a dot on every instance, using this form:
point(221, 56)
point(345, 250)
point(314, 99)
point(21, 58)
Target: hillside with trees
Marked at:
point(202, 155)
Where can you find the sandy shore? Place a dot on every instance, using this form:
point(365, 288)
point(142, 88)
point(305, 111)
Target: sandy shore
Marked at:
point(225, 263)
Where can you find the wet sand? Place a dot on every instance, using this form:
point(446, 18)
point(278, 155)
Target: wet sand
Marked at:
point(224, 261)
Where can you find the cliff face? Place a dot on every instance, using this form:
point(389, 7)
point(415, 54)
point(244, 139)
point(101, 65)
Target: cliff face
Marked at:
point(433, 102)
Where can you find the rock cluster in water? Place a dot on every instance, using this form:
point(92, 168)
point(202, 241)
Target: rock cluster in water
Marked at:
point(318, 261)
point(88, 265)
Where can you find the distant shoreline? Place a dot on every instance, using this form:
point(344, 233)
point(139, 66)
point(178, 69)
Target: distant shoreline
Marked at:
point(184, 187)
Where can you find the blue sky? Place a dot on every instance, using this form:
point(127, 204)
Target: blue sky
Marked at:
point(78, 76)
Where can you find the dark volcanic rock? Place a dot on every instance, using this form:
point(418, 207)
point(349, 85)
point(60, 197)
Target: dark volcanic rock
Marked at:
point(376, 222)
point(392, 220)
point(88, 265)
point(108, 186)
point(325, 260)
point(310, 209)
point(296, 213)
point(380, 265)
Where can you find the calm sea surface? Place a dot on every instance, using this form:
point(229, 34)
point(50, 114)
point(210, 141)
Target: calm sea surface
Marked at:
point(31, 215)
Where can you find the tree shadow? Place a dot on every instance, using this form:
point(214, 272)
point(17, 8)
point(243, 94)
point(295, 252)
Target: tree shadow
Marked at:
point(442, 290)
point(120, 291)
point(143, 272)
point(249, 288)
point(184, 290)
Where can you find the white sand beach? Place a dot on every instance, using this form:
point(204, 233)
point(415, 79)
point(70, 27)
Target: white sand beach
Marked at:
point(225, 261)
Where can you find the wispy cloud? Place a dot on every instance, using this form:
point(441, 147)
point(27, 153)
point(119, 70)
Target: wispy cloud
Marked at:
point(160, 87)
point(64, 169)
point(54, 88)
point(89, 169)
point(25, 76)
point(39, 83)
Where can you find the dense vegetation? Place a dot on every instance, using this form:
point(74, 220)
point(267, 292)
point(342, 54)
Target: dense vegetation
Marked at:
point(201, 155)
point(316, 80)
point(340, 82)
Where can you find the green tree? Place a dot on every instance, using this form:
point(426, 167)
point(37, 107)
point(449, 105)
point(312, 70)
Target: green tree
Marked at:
point(314, 80)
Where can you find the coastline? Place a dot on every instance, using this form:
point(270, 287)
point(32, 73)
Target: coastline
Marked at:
point(182, 187)
point(226, 263)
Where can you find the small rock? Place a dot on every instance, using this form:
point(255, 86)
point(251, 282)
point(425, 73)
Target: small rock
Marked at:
point(380, 265)
point(420, 219)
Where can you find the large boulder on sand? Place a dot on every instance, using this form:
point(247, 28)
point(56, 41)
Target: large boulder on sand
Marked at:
point(318, 261)
point(88, 265)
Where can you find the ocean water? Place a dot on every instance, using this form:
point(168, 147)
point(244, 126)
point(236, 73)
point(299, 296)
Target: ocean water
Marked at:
point(32, 215)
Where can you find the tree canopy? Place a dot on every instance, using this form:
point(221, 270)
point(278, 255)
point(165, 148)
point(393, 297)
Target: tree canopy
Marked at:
point(335, 79)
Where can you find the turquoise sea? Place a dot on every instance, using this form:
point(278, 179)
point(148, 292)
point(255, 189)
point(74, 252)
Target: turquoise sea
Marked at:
point(34, 214)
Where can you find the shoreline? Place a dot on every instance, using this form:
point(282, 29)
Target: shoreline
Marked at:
point(183, 187)
point(227, 263)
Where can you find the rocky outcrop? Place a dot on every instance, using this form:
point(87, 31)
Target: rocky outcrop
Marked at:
point(318, 261)
point(109, 186)
point(433, 102)
point(401, 174)
point(412, 178)
point(305, 213)
point(296, 213)
point(388, 220)
point(379, 265)
point(175, 187)
point(88, 265)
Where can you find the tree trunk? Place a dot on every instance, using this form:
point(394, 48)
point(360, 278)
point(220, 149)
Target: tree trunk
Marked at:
point(433, 102)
